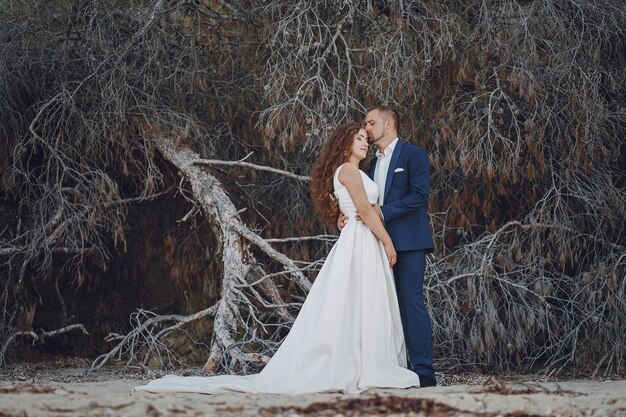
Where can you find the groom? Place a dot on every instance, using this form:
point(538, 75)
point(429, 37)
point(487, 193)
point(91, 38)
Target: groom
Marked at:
point(402, 173)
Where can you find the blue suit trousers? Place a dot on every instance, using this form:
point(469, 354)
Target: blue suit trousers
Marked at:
point(409, 277)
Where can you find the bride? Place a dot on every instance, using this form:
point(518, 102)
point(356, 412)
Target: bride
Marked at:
point(348, 335)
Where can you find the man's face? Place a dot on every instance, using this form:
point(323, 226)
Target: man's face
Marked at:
point(375, 125)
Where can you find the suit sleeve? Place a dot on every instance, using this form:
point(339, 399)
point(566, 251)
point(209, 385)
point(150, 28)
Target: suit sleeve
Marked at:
point(419, 187)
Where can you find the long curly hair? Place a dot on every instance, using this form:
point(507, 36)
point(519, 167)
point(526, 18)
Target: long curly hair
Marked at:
point(335, 152)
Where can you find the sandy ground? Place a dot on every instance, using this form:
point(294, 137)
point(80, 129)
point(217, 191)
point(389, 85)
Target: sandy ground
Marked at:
point(69, 392)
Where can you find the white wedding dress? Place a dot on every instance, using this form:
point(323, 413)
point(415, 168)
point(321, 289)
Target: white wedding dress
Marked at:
point(348, 335)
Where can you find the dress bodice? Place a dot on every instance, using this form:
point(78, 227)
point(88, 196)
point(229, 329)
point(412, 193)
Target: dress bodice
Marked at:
point(346, 205)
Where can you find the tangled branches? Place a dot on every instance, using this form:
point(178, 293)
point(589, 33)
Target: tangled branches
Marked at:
point(327, 59)
point(520, 297)
point(81, 89)
point(145, 341)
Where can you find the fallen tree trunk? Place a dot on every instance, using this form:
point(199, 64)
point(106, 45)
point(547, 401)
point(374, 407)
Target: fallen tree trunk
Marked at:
point(239, 265)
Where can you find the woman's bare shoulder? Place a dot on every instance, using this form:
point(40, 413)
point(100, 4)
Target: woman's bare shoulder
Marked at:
point(348, 172)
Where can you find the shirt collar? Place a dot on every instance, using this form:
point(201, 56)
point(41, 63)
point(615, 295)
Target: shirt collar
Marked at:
point(388, 150)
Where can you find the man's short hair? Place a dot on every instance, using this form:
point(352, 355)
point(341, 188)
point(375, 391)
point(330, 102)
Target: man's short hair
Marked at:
point(389, 112)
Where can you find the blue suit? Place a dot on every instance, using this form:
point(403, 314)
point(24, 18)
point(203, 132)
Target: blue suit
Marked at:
point(405, 201)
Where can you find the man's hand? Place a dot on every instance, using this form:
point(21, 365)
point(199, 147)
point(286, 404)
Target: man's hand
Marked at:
point(341, 221)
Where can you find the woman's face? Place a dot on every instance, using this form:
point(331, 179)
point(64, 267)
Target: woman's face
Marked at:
point(359, 145)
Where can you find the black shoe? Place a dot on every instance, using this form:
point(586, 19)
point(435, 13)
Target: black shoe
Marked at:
point(426, 381)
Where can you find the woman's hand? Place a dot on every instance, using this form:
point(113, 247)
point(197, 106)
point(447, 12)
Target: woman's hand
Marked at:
point(391, 253)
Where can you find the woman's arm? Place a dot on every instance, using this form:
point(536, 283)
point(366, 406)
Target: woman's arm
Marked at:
point(350, 177)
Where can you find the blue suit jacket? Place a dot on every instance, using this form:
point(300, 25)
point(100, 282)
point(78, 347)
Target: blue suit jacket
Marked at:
point(406, 197)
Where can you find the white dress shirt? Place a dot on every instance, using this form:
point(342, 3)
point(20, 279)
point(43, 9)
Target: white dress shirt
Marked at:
point(382, 166)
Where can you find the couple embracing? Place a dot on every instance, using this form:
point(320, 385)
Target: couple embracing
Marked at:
point(365, 310)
